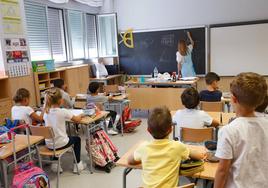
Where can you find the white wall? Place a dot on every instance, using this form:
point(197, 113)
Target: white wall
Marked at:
point(148, 14)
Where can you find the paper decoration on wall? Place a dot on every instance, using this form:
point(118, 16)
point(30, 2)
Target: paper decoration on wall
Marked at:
point(10, 9)
point(10, 13)
point(127, 38)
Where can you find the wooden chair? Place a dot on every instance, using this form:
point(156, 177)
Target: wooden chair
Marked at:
point(47, 133)
point(111, 89)
point(191, 185)
point(212, 106)
point(196, 135)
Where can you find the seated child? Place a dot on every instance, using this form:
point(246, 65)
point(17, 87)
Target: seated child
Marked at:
point(211, 94)
point(56, 118)
point(161, 157)
point(242, 144)
point(67, 102)
point(94, 99)
point(21, 110)
point(191, 117)
point(261, 110)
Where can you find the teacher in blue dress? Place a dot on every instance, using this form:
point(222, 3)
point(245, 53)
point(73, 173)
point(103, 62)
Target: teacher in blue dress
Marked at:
point(184, 58)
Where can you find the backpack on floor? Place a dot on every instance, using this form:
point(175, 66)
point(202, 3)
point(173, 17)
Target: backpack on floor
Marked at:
point(129, 124)
point(102, 150)
point(26, 174)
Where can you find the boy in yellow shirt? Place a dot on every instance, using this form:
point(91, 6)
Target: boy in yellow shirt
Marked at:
point(161, 157)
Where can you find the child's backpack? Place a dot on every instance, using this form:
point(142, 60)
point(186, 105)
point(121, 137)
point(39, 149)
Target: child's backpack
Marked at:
point(129, 124)
point(103, 151)
point(26, 174)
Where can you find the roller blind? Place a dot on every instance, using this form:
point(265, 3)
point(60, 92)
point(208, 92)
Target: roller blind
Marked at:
point(76, 34)
point(91, 36)
point(37, 31)
point(56, 34)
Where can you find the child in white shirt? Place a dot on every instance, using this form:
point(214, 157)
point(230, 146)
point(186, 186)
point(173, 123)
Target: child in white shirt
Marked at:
point(242, 144)
point(56, 118)
point(191, 117)
point(21, 110)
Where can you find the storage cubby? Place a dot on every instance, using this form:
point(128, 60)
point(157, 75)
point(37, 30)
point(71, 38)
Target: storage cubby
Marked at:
point(43, 77)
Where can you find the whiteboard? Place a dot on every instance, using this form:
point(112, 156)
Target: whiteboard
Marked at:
point(236, 49)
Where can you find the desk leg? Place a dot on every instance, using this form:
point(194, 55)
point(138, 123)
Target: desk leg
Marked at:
point(121, 119)
point(125, 173)
point(90, 155)
point(4, 170)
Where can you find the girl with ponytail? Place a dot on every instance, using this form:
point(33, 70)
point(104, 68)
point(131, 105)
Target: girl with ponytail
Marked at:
point(56, 118)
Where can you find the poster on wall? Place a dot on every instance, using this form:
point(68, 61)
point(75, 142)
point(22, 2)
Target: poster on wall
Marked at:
point(10, 9)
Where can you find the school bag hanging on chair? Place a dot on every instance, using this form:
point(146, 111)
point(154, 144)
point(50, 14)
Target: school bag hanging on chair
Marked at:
point(26, 174)
point(102, 150)
point(129, 124)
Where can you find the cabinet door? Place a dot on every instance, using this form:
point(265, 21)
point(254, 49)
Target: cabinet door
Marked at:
point(83, 79)
point(72, 81)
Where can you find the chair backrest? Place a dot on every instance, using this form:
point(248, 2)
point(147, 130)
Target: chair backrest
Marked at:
point(191, 185)
point(211, 106)
point(46, 132)
point(196, 135)
point(111, 88)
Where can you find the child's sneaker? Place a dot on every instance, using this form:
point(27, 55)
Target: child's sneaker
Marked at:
point(54, 168)
point(112, 132)
point(81, 166)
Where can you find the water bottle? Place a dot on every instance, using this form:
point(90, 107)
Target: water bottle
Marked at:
point(155, 72)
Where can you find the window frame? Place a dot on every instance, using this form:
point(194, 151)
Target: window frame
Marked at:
point(63, 33)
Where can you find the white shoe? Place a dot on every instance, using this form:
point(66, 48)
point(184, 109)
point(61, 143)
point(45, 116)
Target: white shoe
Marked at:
point(54, 168)
point(81, 166)
point(112, 132)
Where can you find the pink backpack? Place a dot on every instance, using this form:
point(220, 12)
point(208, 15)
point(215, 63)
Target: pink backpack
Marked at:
point(103, 151)
point(26, 174)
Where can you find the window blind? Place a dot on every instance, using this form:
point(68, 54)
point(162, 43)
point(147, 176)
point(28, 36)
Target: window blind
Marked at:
point(91, 36)
point(76, 34)
point(37, 30)
point(56, 34)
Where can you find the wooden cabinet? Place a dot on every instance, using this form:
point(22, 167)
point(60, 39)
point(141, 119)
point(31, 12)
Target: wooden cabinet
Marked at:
point(5, 100)
point(44, 81)
point(77, 79)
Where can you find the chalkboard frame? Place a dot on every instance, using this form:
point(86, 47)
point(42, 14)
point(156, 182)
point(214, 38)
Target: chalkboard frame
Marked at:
point(206, 27)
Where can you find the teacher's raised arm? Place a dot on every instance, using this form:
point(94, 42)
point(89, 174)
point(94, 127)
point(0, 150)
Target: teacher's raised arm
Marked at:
point(184, 58)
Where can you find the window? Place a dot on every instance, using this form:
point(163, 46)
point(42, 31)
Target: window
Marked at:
point(107, 35)
point(76, 34)
point(37, 31)
point(56, 34)
point(91, 36)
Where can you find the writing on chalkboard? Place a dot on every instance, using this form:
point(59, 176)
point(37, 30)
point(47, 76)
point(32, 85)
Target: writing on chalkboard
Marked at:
point(158, 49)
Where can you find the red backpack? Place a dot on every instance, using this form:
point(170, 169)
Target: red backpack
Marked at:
point(128, 123)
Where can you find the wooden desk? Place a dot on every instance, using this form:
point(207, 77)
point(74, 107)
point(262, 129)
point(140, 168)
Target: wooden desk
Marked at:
point(207, 174)
point(106, 79)
point(151, 82)
point(148, 98)
point(226, 117)
point(7, 151)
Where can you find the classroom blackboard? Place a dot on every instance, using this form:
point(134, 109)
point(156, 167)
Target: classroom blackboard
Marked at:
point(158, 49)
